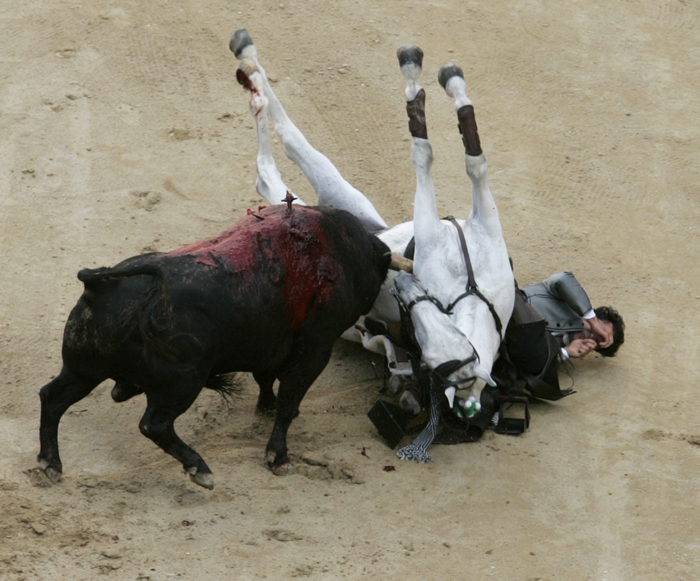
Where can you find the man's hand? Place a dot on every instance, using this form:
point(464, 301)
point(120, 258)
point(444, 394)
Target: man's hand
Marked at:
point(580, 347)
point(602, 330)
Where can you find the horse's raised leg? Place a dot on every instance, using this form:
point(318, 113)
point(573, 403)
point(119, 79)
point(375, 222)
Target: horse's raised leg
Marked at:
point(491, 264)
point(332, 190)
point(431, 235)
point(484, 208)
point(439, 260)
point(269, 183)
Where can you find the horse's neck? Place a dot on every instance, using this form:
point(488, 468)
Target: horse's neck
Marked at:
point(439, 265)
point(473, 317)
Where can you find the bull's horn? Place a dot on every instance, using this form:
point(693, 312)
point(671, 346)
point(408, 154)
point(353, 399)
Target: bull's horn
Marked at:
point(399, 262)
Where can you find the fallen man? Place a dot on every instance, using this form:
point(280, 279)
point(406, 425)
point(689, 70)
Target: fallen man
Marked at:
point(552, 322)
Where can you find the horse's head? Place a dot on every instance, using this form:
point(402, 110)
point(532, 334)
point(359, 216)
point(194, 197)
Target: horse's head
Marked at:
point(444, 348)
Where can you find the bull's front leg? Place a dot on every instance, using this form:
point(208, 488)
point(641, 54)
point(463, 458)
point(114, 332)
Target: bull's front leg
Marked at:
point(331, 188)
point(484, 208)
point(295, 379)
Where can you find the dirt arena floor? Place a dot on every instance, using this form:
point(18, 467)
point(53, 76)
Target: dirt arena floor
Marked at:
point(123, 131)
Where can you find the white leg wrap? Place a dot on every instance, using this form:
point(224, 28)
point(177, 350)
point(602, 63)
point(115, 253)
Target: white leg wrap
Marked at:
point(411, 72)
point(456, 88)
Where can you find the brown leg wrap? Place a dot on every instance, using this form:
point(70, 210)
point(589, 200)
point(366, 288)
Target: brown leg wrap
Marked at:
point(416, 116)
point(467, 127)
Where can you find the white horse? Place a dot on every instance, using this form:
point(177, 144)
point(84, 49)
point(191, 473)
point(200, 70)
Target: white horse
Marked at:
point(458, 320)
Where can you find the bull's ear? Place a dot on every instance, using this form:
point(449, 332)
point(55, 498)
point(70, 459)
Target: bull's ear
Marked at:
point(481, 373)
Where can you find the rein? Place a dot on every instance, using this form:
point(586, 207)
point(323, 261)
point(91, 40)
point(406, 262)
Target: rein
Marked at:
point(444, 370)
point(472, 287)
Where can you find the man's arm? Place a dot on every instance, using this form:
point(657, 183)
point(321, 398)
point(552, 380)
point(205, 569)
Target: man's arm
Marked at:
point(564, 286)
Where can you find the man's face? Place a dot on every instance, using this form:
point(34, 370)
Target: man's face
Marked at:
point(587, 333)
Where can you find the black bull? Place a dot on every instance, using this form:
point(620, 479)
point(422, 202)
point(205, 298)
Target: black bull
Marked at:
point(268, 296)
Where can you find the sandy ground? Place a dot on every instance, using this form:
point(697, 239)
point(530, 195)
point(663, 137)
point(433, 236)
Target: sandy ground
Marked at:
point(122, 130)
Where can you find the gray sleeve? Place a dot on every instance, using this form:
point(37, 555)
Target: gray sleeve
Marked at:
point(564, 286)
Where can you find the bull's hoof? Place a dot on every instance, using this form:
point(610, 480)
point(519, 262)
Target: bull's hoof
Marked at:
point(410, 53)
point(53, 474)
point(239, 42)
point(282, 469)
point(204, 479)
point(266, 411)
point(447, 72)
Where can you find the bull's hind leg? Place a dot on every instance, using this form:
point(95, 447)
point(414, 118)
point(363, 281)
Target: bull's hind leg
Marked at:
point(56, 397)
point(295, 380)
point(484, 208)
point(267, 401)
point(332, 190)
point(165, 405)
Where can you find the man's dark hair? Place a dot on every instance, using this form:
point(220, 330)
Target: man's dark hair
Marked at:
point(611, 315)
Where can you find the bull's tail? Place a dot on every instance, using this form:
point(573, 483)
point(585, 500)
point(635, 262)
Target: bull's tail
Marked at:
point(152, 312)
point(228, 385)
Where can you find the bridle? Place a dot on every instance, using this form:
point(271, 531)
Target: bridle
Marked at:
point(444, 370)
point(472, 287)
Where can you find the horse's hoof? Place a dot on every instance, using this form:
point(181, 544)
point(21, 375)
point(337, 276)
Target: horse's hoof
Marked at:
point(282, 469)
point(239, 41)
point(447, 72)
point(410, 53)
point(205, 480)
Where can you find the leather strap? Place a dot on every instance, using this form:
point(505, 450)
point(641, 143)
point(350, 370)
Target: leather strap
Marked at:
point(416, 116)
point(472, 287)
point(469, 131)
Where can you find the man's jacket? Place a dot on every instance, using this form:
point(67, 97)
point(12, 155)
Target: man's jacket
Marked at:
point(542, 313)
point(561, 301)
